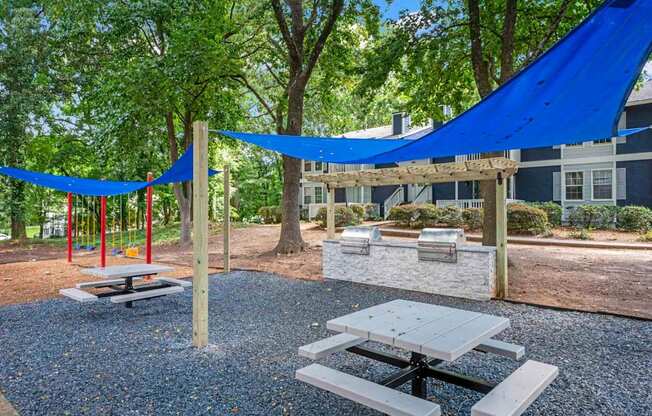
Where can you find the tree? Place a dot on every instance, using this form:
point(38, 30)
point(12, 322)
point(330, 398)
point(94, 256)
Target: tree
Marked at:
point(279, 76)
point(148, 70)
point(454, 54)
point(26, 92)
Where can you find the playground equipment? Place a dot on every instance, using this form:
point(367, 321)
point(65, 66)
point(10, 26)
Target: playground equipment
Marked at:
point(89, 225)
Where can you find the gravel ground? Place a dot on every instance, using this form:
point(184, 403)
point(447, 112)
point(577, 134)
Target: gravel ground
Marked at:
point(59, 357)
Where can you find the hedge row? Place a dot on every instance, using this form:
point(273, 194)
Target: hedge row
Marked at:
point(520, 218)
point(344, 216)
point(629, 218)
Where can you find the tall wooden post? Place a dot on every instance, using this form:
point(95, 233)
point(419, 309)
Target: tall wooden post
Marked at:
point(227, 220)
point(70, 227)
point(148, 227)
point(501, 239)
point(330, 213)
point(200, 234)
point(102, 231)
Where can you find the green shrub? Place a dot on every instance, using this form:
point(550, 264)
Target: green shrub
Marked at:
point(581, 234)
point(358, 211)
point(270, 215)
point(553, 211)
point(525, 219)
point(415, 215)
point(451, 216)
point(593, 216)
point(634, 218)
point(473, 218)
point(344, 216)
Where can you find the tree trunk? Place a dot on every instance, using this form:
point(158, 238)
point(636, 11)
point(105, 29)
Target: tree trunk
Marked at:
point(18, 230)
point(181, 190)
point(290, 240)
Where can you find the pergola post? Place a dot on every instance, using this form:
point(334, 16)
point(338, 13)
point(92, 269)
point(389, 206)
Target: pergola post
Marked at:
point(102, 231)
point(69, 234)
point(330, 212)
point(501, 238)
point(227, 220)
point(200, 234)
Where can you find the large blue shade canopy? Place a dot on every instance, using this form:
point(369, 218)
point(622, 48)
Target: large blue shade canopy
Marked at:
point(179, 172)
point(574, 92)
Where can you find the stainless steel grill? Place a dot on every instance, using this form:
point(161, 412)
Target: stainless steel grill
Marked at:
point(355, 240)
point(439, 244)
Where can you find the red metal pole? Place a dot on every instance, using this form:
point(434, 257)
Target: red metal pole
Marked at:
point(102, 231)
point(69, 227)
point(148, 229)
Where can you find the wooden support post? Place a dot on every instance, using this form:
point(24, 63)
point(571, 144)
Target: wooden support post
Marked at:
point(200, 234)
point(148, 227)
point(501, 239)
point(70, 227)
point(330, 213)
point(227, 220)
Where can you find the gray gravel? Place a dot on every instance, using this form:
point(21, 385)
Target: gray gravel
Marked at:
point(58, 357)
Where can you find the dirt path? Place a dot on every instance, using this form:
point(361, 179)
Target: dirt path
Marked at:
point(616, 281)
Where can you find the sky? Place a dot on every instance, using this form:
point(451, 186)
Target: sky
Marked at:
point(392, 11)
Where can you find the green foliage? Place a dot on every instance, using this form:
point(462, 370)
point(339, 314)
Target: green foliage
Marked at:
point(415, 215)
point(581, 234)
point(593, 216)
point(358, 211)
point(553, 211)
point(369, 211)
point(451, 216)
point(271, 215)
point(524, 219)
point(344, 216)
point(634, 218)
point(473, 218)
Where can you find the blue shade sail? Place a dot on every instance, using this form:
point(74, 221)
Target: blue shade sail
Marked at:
point(574, 92)
point(179, 172)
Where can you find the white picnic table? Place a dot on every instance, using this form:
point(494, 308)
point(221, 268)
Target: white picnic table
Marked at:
point(120, 279)
point(433, 335)
point(127, 270)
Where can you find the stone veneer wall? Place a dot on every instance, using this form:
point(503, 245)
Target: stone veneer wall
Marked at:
point(395, 264)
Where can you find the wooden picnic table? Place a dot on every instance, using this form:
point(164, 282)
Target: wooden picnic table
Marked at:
point(433, 335)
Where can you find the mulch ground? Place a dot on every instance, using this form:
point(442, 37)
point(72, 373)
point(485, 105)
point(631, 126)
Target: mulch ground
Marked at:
point(613, 281)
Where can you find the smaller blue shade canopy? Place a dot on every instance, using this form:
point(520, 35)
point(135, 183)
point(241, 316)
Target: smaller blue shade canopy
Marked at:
point(179, 172)
point(574, 92)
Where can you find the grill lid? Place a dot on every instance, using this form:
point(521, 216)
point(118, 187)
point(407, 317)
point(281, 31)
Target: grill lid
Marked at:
point(369, 233)
point(451, 236)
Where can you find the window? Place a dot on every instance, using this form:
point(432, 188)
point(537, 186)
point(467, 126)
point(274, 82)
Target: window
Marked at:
point(575, 144)
point(319, 195)
point(307, 166)
point(318, 167)
point(602, 141)
point(475, 190)
point(574, 186)
point(307, 195)
point(602, 184)
point(358, 194)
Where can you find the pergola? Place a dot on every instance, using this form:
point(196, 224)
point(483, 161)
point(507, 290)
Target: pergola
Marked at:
point(491, 169)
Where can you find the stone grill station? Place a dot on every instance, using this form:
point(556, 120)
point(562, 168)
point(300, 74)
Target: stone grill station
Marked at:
point(439, 262)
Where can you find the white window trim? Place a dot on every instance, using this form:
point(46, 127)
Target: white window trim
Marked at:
point(564, 185)
point(612, 185)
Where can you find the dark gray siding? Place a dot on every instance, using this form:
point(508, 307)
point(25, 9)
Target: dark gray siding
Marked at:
point(380, 193)
point(540, 153)
point(340, 195)
point(535, 184)
point(465, 190)
point(639, 182)
point(638, 116)
point(443, 191)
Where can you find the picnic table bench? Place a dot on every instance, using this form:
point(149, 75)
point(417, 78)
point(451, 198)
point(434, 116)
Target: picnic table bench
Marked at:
point(120, 279)
point(433, 335)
